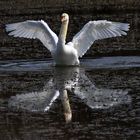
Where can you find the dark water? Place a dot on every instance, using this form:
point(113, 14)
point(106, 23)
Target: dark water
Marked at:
point(103, 94)
point(80, 13)
point(103, 97)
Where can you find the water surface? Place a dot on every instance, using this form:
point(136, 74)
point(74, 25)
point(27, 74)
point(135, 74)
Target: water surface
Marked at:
point(103, 95)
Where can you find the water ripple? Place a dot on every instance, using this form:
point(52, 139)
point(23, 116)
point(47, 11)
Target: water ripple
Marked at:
point(103, 62)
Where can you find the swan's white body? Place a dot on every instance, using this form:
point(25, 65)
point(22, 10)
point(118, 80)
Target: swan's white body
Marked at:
point(62, 53)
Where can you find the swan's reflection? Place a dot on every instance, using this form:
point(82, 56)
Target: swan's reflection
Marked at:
point(64, 79)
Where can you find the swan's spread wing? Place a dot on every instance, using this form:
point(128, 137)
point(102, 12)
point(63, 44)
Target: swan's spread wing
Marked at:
point(95, 30)
point(34, 29)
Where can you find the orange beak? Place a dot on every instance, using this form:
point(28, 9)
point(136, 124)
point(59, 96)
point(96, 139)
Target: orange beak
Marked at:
point(62, 18)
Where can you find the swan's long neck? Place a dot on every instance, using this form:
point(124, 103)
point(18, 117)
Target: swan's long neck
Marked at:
point(63, 31)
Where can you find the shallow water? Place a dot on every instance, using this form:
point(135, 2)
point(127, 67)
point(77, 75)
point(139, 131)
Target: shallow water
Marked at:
point(103, 95)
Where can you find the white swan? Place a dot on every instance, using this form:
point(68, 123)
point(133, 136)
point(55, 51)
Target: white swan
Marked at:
point(62, 53)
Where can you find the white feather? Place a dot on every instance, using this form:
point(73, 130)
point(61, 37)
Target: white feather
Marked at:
point(95, 30)
point(34, 29)
point(67, 54)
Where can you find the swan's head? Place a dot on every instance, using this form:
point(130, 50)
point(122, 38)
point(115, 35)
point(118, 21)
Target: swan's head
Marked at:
point(64, 17)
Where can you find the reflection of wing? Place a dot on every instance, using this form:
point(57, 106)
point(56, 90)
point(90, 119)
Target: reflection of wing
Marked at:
point(99, 98)
point(35, 101)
